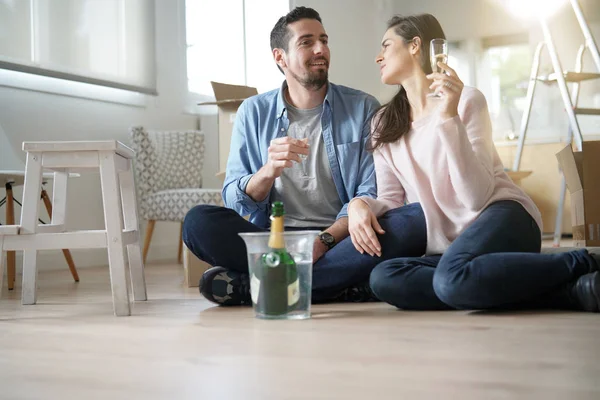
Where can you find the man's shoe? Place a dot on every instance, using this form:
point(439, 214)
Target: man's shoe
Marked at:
point(586, 292)
point(225, 287)
point(357, 294)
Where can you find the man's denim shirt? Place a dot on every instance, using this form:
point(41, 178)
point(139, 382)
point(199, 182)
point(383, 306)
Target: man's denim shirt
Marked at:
point(262, 118)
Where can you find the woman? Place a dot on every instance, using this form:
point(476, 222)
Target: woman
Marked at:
point(483, 231)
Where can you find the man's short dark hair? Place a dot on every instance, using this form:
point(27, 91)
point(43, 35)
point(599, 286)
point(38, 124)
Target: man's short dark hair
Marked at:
point(280, 35)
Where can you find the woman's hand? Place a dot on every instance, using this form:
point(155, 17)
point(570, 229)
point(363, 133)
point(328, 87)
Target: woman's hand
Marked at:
point(450, 86)
point(362, 225)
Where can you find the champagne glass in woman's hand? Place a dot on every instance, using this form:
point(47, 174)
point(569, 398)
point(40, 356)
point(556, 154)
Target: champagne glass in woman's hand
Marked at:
point(438, 52)
point(449, 85)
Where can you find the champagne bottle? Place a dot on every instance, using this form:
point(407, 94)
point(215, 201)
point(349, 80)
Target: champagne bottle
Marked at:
point(279, 285)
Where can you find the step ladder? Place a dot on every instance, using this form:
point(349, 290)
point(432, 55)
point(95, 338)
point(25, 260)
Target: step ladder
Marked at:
point(570, 100)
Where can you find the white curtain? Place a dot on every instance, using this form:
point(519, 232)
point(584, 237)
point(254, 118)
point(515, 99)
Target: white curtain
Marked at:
point(105, 42)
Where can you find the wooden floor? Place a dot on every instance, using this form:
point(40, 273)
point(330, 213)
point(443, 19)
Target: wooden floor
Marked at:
point(179, 346)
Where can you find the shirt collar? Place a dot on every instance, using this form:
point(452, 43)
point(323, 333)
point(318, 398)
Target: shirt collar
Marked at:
point(281, 106)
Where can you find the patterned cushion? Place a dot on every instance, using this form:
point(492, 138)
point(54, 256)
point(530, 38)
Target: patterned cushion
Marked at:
point(169, 159)
point(168, 170)
point(173, 205)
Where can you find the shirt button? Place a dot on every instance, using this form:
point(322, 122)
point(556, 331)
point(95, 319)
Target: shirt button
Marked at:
point(282, 130)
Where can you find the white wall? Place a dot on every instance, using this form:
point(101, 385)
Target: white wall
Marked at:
point(30, 115)
point(8, 156)
point(465, 19)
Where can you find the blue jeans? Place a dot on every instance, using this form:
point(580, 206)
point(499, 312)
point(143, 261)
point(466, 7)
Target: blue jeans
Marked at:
point(494, 263)
point(211, 233)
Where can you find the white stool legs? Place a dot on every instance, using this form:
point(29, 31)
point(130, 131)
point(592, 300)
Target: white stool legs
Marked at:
point(29, 224)
point(114, 232)
point(131, 221)
point(114, 161)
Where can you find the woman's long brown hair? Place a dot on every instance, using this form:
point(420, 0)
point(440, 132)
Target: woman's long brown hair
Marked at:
point(393, 119)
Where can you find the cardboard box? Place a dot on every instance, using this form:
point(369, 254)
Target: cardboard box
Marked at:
point(582, 174)
point(544, 184)
point(228, 99)
point(193, 268)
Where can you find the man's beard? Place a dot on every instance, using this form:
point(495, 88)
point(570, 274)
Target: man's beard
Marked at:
point(314, 80)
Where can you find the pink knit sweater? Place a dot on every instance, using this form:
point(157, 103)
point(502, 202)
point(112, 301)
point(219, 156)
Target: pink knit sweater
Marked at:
point(451, 167)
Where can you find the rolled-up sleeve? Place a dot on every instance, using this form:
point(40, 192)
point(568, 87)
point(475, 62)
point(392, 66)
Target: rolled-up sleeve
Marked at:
point(239, 170)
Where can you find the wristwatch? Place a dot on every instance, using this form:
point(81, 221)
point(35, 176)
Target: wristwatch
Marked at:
point(327, 239)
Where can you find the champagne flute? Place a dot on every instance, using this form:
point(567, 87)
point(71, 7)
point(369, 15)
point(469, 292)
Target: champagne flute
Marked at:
point(438, 52)
point(301, 133)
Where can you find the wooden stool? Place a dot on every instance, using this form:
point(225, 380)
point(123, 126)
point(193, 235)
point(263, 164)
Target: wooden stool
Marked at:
point(10, 179)
point(114, 161)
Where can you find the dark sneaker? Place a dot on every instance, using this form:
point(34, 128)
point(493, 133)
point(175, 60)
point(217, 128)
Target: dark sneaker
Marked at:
point(586, 292)
point(357, 294)
point(225, 287)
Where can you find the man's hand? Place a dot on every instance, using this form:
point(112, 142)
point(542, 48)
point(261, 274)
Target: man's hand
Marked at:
point(282, 153)
point(319, 249)
point(363, 224)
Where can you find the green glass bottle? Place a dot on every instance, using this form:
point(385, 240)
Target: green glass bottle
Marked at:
point(279, 286)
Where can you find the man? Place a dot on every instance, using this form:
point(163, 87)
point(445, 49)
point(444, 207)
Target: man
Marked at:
point(303, 144)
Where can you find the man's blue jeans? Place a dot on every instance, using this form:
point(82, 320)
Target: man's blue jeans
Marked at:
point(211, 233)
point(494, 263)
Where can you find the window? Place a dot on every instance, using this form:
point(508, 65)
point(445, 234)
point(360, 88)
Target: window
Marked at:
point(228, 42)
point(504, 75)
point(103, 42)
